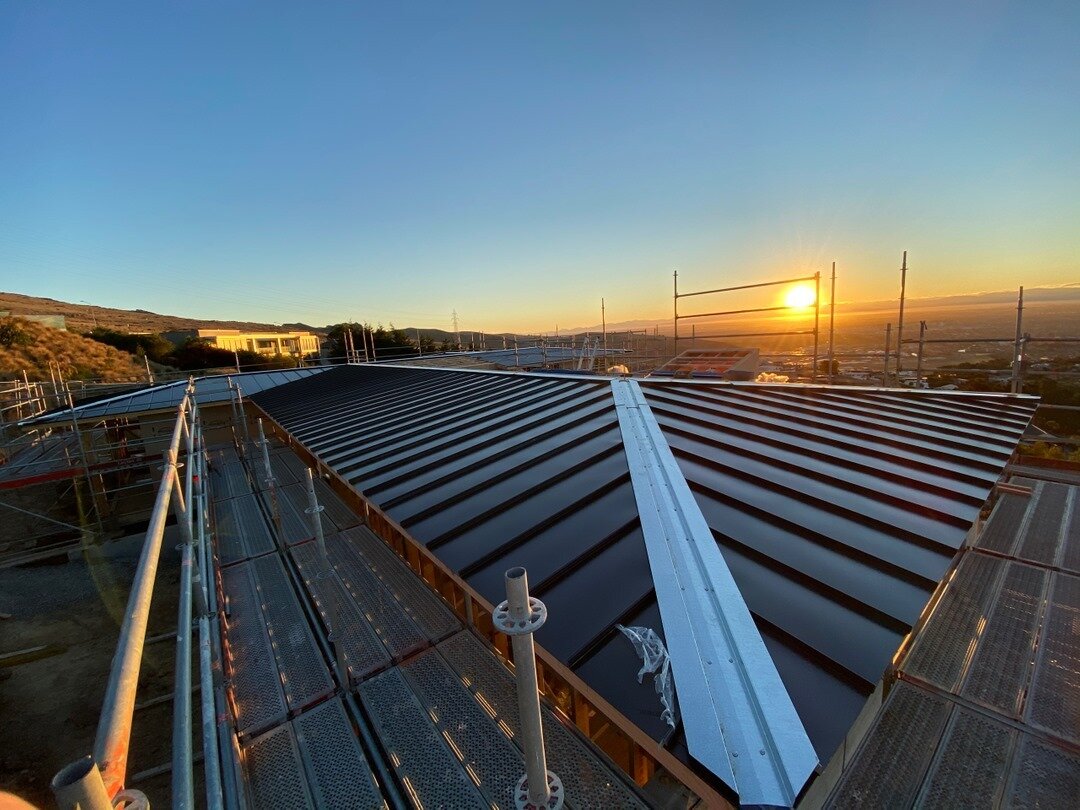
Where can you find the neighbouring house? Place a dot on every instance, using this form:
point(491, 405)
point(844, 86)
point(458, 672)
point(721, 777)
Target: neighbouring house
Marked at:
point(285, 343)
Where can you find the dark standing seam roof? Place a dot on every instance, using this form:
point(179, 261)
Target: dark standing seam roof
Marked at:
point(837, 510)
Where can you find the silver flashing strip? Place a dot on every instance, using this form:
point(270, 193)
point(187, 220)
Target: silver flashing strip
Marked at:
point(739, 719)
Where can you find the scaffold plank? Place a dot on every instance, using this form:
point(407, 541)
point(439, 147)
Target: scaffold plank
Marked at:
point(431, 773)
point(275, 774)
point(339, 773)
point(397, 631)
point(484, 746)
point(364, 652)
point(589, 781)
point(431, 614)
point(255, 684)
point(303, 671)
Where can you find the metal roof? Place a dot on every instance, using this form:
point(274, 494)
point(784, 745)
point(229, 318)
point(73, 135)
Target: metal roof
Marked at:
point(836, 509)
point(212, 388)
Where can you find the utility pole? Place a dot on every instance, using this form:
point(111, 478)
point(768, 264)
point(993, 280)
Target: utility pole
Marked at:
point(900, 325)
point(832, 321)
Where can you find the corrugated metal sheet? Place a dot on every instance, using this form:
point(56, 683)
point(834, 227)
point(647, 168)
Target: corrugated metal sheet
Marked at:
point(210, 389)
point(837, 510)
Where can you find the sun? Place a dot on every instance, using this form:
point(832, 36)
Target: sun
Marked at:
point(799, 296)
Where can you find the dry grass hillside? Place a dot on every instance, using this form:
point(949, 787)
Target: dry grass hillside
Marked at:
point(83, 317)
point(27, 346)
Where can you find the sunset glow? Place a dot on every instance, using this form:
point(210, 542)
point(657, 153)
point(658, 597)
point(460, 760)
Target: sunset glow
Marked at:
point(799, 296)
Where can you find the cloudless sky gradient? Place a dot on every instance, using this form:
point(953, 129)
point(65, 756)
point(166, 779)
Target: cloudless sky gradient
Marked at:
point(391, 162)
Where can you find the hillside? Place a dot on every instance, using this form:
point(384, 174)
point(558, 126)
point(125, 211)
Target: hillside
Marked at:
point(84, 317)
point(28, 347)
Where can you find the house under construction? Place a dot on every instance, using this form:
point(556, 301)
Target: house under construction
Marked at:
point(739, 593)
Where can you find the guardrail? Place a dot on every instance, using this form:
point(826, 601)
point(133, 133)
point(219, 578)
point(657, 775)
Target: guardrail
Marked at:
point(98, 782)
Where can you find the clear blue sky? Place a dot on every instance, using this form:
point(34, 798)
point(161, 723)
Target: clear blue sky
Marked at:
point(317, 161)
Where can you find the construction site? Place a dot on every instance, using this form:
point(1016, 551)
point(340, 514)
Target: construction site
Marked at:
point(501, 579)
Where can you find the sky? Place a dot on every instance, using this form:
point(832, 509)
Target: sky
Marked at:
point(516, 163)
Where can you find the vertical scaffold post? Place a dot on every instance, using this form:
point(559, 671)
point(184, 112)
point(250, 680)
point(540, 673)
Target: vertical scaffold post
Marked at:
point(888, 343)
point(1018, 350)
point(919, 362)
point(313, 509)
point(269, 481)
point(519, 617)
point(817, 323)
point(832, 321)
point(900, 324)
point(79, 785)
point(326, 570)
point(675, 301)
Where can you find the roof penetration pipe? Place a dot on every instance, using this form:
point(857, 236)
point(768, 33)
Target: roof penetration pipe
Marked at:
point(519, 617)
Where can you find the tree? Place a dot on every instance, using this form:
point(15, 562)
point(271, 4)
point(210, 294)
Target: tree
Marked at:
point(154, 347)
point(12, 334)
point(387, 342)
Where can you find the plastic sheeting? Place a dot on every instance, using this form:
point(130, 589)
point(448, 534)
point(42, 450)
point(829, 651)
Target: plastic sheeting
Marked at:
point(655, 661)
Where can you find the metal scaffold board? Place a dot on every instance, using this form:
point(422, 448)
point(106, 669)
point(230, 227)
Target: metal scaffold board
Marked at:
point(296, 525)
point(364, 652)
point(1070, 552)
point(431, 614)
point(287, 467)
point(241, 529)
point(1055, 705)
point(940, 653)
point(303, 671)
point(1000, 669)
point(484, 746)
point(337, 510)
point(394, 627)
point(971, 765)
point(338, 772)
point(255, 684)
point(433, 776)
point(275, 775)
point(911, 722)
point(1043, 776)
point(1005, 523)
point(1042, 535)
point(589, 781)
point(228, 479)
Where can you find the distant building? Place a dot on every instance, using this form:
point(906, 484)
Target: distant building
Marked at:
point(233, 340)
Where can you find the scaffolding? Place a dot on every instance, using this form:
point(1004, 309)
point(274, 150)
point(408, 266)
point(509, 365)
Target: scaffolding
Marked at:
point(815, 278)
